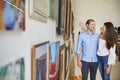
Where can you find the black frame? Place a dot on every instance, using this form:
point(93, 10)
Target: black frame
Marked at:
point(60, 29)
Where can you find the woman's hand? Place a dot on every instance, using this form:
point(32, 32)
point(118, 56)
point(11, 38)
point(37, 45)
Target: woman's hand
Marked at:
point(108, 70)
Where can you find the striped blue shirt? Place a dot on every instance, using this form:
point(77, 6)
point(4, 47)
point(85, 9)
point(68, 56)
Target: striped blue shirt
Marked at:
point(88, 43)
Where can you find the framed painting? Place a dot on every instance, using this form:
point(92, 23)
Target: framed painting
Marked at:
point(12, 15)
point(53, 10)
point(62, 16)
point(54, 68)
point(62, 62)
point(13, 71)
point(40, 61)
point(38, 10)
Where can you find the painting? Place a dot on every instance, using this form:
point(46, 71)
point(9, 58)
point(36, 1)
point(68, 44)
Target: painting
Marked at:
point(12, 15)
point(13, 71)
point(54, 61)
point(62, 62)
point(62, 16)
point(38, 10)
point(53, 10)
point(40, 61)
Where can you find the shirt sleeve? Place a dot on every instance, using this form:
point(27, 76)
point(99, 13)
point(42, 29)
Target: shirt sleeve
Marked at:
point(112, 56)
point(79, 44)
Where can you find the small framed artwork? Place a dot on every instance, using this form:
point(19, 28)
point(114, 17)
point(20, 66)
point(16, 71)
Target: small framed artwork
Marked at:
point(40, 61)
point(62, 16)
point(62, 62)
point(38, 10)
point(12, 15)
point(54, 67)
point(13, 71)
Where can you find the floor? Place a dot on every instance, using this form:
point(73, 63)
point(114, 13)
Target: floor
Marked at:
point(75, 71)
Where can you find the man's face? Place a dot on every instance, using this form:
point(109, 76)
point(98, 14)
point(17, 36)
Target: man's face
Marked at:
point(91, 26)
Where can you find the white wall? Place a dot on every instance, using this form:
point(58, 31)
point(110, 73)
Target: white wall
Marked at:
point(14, 45)
point(99, 10)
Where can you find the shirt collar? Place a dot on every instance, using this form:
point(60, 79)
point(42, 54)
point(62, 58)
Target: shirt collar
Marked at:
point(88, 32)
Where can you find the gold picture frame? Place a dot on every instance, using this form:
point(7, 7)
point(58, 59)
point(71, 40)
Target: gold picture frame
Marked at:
point(40, 61)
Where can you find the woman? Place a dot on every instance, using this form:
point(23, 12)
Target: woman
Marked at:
point(106, 51)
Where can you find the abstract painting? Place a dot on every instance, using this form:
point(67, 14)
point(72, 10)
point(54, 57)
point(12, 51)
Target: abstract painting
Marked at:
point(54, 61)
point(12, 15)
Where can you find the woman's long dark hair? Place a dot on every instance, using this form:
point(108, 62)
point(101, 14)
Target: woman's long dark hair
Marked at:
point(111, 37)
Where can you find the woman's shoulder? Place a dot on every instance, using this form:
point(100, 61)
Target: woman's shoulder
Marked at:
point(101, 37)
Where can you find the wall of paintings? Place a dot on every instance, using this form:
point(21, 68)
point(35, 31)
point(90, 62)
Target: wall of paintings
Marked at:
point(44, 49)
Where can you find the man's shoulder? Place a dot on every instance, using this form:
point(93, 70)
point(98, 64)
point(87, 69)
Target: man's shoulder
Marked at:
point(96, 34)
point(84, 32)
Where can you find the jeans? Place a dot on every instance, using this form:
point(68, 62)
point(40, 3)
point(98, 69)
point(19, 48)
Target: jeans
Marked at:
point(102, 64)
point(89, 66)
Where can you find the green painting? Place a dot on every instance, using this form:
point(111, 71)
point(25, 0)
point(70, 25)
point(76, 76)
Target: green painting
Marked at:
point(53, 9)
point(13, 71)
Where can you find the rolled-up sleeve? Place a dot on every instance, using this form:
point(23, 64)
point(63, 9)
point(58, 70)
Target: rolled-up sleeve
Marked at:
point(79, 44)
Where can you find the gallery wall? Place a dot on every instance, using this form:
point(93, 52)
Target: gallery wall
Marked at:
point(14, 45)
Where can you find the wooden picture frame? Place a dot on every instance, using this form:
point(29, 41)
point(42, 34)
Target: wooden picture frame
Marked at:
point(68, 56)
point(67, 28)
point(54, 67)
point(12, 15)
point(40, 61)
point(62, 17)
point(38, 10)
point(62, 62)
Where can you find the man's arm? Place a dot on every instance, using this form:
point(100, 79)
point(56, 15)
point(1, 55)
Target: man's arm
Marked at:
point(79, 61)
point(78, 48)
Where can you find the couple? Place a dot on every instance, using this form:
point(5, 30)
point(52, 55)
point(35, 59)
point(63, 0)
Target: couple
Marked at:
point(97, 51)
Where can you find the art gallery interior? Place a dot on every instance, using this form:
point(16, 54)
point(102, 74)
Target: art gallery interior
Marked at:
point(42, 34)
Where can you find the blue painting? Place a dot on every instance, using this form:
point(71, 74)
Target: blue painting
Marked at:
point(12, 15)
point(54, 61)
point(41, 68)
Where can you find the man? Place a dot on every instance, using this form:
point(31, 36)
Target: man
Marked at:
point(88, 42)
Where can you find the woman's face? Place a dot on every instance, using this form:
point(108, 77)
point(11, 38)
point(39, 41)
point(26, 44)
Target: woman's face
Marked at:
point(104, 29)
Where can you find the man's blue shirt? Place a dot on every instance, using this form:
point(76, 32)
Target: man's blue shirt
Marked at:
point(88, 43)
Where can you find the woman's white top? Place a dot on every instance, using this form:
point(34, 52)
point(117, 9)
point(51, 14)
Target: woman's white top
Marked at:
point(103, 51)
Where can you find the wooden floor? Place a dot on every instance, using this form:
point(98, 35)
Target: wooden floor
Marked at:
point(115, 73)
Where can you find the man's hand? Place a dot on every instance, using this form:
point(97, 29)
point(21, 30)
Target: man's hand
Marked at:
point(79, 63)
